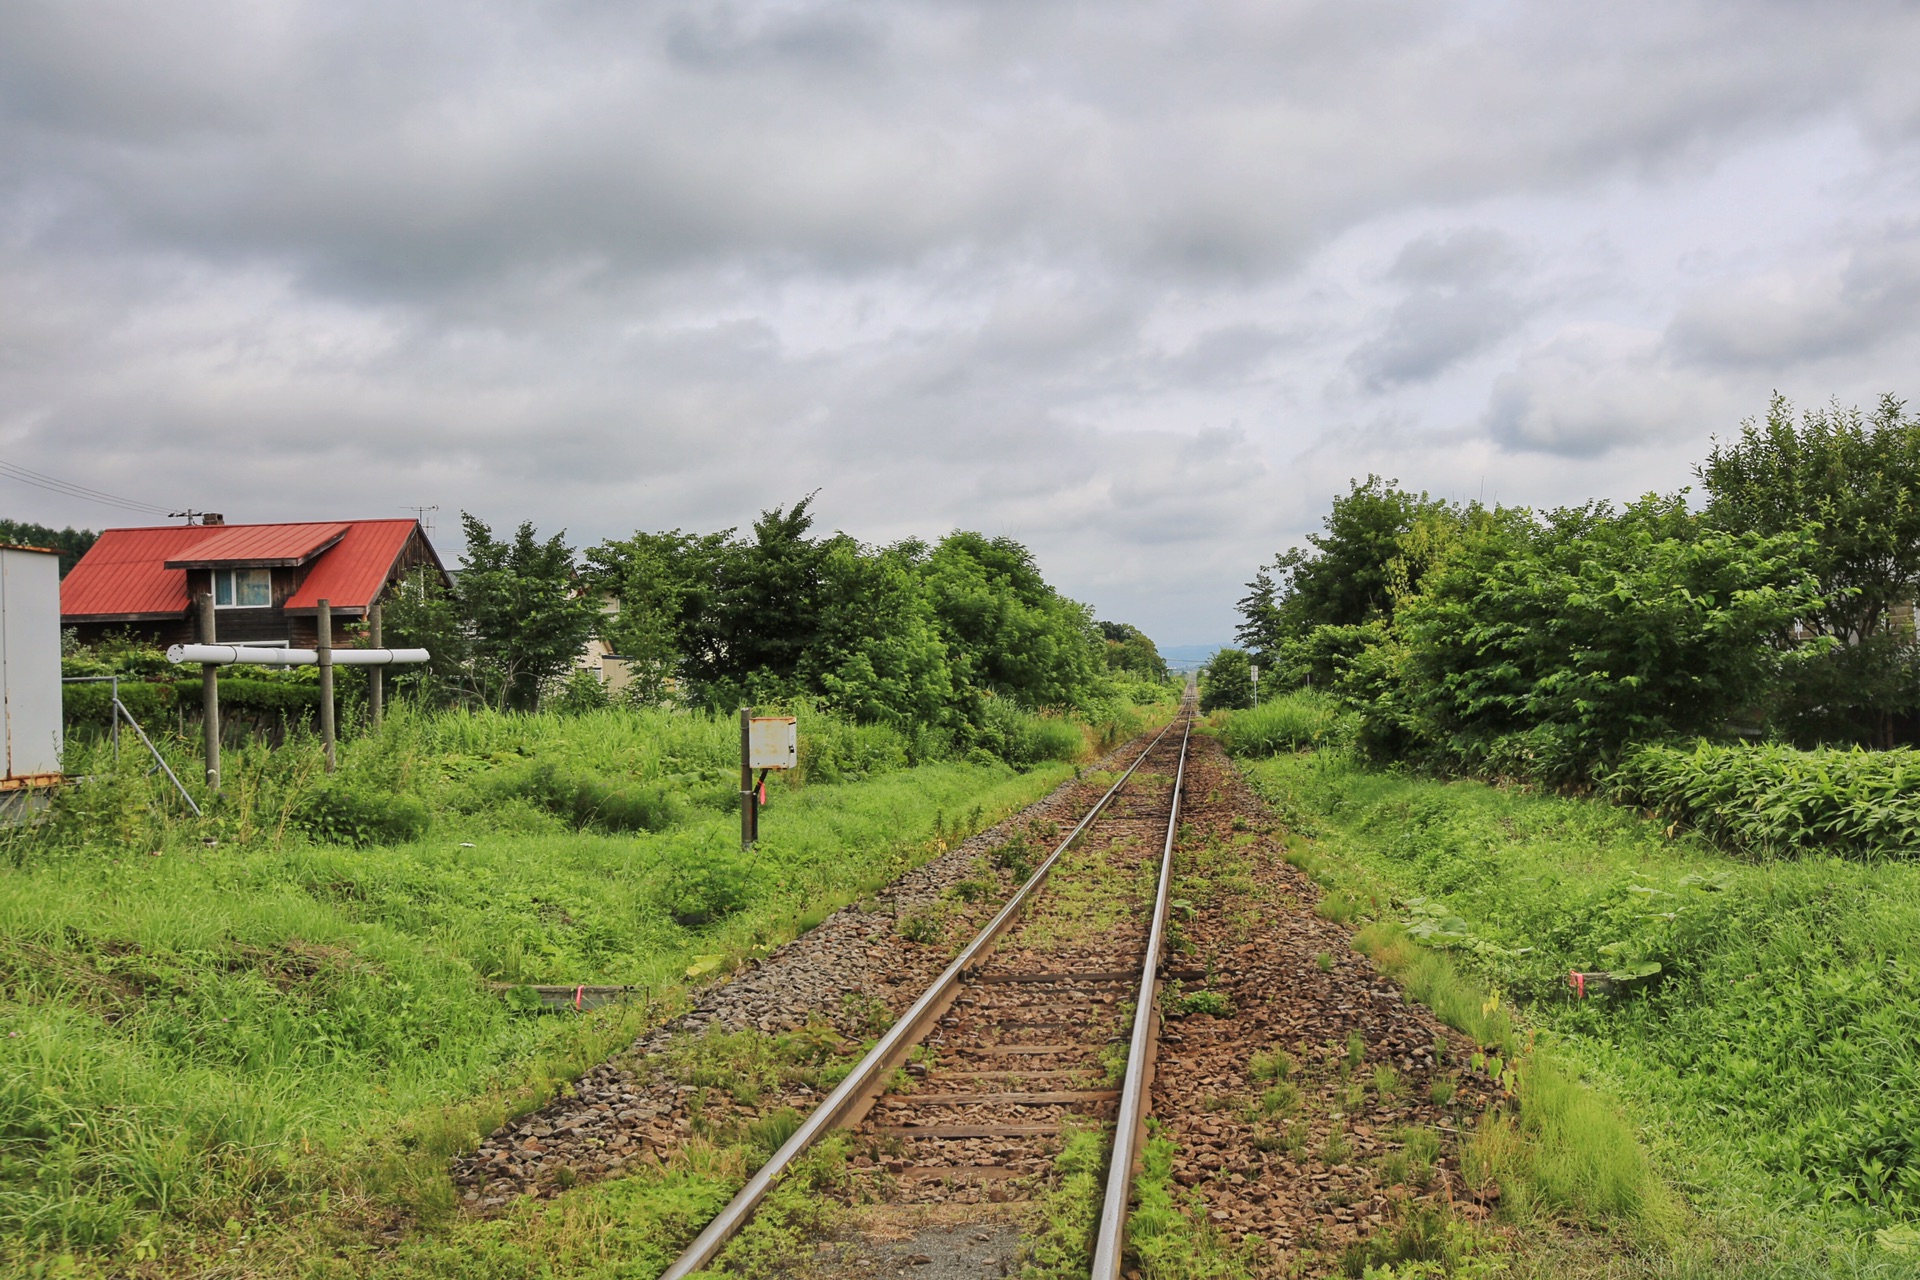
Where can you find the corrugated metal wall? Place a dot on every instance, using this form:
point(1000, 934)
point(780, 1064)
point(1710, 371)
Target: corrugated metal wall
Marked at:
point(30, 661)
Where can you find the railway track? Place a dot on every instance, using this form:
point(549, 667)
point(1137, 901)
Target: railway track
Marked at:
point(1045, 1021)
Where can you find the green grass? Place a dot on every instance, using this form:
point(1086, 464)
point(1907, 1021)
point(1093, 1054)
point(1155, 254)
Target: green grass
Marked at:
point(220, 1033)
point(1762, 1026)
point(1061, 1244)
point(1169, 1234)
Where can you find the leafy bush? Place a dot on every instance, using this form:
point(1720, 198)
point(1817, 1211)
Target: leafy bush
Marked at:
point(704, 885)
point(291, 697)
point(579, 693)
point(1779, 801)
point(833, 750)
point(589, 799)
point(1291, 722)
point(1556, 640)
point(1024, 739)
point(1226, 683)
point(359, 813)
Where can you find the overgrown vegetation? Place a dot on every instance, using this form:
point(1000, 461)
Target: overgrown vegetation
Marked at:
point(1761, 1022)
point(1778, 801)
point(1298, 721)
point(1718, 670)
point(1546, 644)
point(290, 1002)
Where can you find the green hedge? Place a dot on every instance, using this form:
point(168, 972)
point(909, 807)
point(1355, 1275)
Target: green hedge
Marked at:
point(88, 703)
point(150, 700)
point(1779, 801)
point(292, 698)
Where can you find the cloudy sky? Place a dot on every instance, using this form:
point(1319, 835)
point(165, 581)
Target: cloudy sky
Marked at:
point(1143, 285)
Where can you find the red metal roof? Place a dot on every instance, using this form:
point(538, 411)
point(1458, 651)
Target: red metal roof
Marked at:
point(350, 574)
point(275, 545)
point(124, 575)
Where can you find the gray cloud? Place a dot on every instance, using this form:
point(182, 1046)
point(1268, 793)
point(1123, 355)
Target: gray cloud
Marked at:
point(1458, 306)
point(1111, 278)
point(1842, 302)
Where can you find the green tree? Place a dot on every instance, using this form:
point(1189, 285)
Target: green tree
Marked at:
point(70, 542)
point(1850, 479)
point(527, 615)
point(1348, 577)
point(661, 583)
point(1129, 650)
point(1005, 628)
point(1226, 682)
point(877, 652)
point(757, 612)
point(420, 613)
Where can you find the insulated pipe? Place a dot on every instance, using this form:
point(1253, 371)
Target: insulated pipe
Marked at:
point(259, 655)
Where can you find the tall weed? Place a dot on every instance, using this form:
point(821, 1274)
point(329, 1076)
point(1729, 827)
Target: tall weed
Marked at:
point(1302, 720)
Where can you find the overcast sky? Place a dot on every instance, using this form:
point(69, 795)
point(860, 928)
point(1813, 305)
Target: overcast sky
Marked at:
point(1142, 285)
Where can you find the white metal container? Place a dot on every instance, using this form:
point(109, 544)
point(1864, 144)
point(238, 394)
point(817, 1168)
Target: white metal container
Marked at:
point(774, 742)
point(30, 666)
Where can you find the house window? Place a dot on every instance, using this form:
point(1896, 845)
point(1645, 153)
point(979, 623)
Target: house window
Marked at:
point(242, 588)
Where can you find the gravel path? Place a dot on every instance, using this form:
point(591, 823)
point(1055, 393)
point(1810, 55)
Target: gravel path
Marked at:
point(1366, 1121)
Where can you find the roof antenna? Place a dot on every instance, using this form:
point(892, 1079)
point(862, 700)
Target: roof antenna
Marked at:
point(189, 515)
point(424, 515)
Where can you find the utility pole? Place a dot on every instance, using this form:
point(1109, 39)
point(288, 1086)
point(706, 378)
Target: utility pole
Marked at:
point(325, 649)
point(209, 695)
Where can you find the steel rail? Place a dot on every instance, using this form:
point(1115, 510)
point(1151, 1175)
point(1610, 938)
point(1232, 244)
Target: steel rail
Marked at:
point(1130, 1122)
point(845, 1101)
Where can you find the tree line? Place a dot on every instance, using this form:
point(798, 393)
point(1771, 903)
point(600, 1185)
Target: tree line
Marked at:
point(1543, 642)
point(70, 542)
point(917, 635)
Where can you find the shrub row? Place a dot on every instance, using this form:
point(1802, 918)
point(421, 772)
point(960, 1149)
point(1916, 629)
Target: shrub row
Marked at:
point(1779, 801)
point(86, 704)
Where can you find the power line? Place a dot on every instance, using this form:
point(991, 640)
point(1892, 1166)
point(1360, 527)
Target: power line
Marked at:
point(68, 489)
point(76, 489)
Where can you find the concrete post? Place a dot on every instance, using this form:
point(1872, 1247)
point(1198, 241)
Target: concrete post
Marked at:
point(376, 676)
point(209, 695)
point(325, 648)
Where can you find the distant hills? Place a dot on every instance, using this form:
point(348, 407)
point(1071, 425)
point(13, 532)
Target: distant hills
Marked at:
point(1189, 657)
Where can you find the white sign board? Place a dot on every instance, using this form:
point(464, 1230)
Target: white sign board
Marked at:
point(773, 742)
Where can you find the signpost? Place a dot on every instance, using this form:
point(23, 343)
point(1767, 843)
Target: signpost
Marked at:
point(767, 743)
point(1256, 684)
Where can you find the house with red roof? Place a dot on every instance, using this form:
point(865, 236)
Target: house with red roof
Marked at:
point(267, 580)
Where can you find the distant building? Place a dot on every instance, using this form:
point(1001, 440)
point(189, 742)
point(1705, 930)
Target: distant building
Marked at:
point(267, 580)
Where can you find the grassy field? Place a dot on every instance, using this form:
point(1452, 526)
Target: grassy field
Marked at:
point(255, 1038)
point(1758, 1022)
